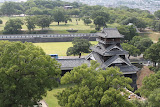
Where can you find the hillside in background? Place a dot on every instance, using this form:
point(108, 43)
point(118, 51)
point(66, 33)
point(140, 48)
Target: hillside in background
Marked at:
point(151, 5)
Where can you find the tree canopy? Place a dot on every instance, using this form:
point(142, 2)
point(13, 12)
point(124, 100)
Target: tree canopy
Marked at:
point(87, 21)
point(131, 49)
point(100, 13)
point(99, 21)
point(154, 98)
point(150, 84)
point(79, 45)
point(157, 14)
point(58, 16)
point(139, 23)
point(13, 26)
point(26, 74)
point(128, 31)
point(1, 22)
point(135, 40)
point(143, 44)
point(30, 22)
point(153, 53)
point(43, 21)
point(94, 87)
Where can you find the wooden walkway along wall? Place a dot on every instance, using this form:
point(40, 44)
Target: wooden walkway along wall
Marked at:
point(47, 37)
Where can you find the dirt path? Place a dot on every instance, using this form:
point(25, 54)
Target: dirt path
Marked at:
point(145, 71)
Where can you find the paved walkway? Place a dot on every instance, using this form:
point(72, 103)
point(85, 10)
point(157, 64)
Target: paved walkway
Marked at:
point(44, 104)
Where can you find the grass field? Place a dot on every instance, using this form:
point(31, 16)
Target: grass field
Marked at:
point(1, 4)
point(51, 99)
point(62, 27)
point(154, 36)
point(59, 48)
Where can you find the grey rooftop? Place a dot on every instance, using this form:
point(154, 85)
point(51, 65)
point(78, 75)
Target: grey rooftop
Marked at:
point(110, 33)
point(69, 64)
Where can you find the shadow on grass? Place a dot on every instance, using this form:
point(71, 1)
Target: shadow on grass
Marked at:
point(63, 25)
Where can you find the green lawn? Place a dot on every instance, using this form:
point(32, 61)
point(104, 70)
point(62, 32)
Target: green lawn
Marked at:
point(59, 48)
point(51, 99)
point(154, 36)
point(62, 27)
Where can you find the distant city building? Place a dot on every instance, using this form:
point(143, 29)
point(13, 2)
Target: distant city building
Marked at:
point(68, 7)
point(13, 0)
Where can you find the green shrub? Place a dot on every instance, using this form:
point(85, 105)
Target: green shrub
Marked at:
point(97, 28)
point(93, 31)
point(155, 69)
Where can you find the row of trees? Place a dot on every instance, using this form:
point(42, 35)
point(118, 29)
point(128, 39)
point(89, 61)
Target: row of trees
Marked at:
point(102, 14)
point(33, 7)
point(14, 26)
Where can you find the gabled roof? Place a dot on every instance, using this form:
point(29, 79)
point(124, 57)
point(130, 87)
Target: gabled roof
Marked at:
point(107, 51)
point(112, 47)
point(110, 33)
point(112, 59)
point(95, 56)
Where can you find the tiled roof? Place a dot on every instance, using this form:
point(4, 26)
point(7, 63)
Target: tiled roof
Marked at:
point(113, 58)
point(69, 64)
point(110, 33)
point(128, 69)
point(106, 52)
point(97, 57)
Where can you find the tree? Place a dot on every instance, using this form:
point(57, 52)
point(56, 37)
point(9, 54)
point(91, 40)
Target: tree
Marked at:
point(13, 26)
point(58, 16)
point(34, 11)
point(157, 14)
point(100, 13)
point(138, 103)
point(87, 21)
point(137, 22)
point(143, 44)
point(153, 53)
point(128, 31)
point(30, 22)
point(150, 84)
point(79, 45)
point(74, 12)
point(132, 49)
point(156, 25)
point(135, 40)
point(26, 74)
point(94, 87)
point(1, 22)
point(100, 21)
point(66, 19)
point(154, 98)
point(8, 8)
point(43, 21)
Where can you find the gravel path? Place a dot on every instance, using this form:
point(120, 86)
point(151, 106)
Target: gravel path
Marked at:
point(44, 104)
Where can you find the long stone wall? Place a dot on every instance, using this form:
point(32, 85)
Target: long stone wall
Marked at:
point(35, 38)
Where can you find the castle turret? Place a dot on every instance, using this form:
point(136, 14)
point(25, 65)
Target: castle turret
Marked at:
point(108, 52)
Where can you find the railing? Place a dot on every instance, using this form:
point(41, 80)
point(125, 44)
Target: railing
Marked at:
point(18, 36)
point(108, 42)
